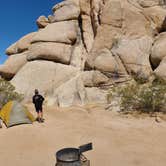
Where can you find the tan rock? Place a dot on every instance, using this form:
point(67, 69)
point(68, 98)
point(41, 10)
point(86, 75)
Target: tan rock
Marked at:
point(50, 51)
point(157, 16)
point(135, 23)
point(65, 3)
point(105, 38)
point(21, 45)
point(69, 11)
point(12, 49)
point(78, 56)
point(12, 65)
point(73, 92)
point(88, 34)
point(42, 22)
point(70, 93)
point(85, 7)
point(61, 32)
point(96, 8)
point(134, 53)
point(112, 14)
point(158, 49)
point(149, 3)
point(93, 78)
point(43, 75)
point(160, 71)
point(25, 42)
point(106, 62)
point(96, 95)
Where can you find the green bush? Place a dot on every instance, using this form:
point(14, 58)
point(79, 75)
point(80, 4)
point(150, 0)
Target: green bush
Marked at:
point(7, 93)
point(150, 97)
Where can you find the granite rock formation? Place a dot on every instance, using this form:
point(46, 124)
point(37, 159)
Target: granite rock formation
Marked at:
point(87, 45)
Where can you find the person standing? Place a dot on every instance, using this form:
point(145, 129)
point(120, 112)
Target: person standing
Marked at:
point(38, 103)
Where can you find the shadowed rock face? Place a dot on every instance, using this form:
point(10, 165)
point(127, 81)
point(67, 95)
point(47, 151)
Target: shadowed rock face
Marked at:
point(114, 39)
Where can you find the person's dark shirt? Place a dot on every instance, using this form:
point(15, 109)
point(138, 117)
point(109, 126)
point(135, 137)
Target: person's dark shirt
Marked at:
point(38, 100)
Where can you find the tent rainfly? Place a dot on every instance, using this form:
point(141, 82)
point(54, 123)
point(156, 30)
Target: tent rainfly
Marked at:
point(14, 113)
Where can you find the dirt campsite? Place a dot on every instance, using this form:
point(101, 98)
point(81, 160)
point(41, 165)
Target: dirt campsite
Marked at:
point(117, 139)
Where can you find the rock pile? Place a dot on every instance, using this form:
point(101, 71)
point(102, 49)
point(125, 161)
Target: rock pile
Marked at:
point(86, 45)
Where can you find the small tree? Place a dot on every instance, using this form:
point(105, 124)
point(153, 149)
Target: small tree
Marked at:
point(7, 93)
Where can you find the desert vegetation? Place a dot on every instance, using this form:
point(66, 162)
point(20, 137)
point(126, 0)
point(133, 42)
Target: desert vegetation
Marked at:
point(135, 96)
point(8, 93)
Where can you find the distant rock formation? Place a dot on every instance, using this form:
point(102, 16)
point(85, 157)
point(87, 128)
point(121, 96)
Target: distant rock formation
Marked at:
point(87, 45)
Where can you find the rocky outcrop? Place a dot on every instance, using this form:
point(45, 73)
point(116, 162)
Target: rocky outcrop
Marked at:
point(61, 32)
point(134, 54)
point(57, 52)
point(21, 45)
point(87, 45)
point(158, 49)
point(160, 71)
point(43, 75)
point(13, 64)
point(66, 10)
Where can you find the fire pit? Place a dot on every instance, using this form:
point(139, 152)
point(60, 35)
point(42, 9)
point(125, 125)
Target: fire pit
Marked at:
point(73, 156)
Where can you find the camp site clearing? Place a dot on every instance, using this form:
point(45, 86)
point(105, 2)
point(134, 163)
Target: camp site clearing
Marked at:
point(117, 140)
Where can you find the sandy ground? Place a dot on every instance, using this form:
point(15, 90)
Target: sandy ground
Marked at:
point(117, 140)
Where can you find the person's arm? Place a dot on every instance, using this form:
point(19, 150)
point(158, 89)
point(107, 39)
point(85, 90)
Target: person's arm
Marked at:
point(42, 98)
point(33, 99)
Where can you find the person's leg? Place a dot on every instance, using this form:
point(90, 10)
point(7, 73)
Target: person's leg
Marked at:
point(40, 116)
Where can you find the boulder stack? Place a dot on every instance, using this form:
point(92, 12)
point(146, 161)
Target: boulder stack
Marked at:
point(87, 45)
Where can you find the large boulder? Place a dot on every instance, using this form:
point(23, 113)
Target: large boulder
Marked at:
point(160, 71)
point(149, 3)
point(13, 64)
point(87, 27)
point(158, 49)
point(135, 23)
point(21, 45)
point(73, 92)
point(105, 38)
point(57, 52)
point(106, 62)
point(42, 22)
point(43, 75)
point(25, 42)
point(67, 10)
point(61, 32)
point(88, 35)
point(12, 49)
point(112, 14)
point(65, 3)
point(93, 78)
point(79, 56)
point(157, 16)
point(134, 53)
point(96, 95)
point(69, 93)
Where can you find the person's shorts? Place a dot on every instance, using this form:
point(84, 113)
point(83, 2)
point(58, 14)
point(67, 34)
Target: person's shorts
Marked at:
point(39, 109)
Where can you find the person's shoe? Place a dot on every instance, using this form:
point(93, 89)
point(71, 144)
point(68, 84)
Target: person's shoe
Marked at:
point(41, 120)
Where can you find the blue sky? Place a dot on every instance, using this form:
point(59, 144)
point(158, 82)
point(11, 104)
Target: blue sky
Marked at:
point(18, 17)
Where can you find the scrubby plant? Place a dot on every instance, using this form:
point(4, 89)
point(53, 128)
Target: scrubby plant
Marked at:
point(149, 97)
point(7, 93)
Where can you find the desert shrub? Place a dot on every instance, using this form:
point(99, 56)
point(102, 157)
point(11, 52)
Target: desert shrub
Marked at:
point(150, 97)
point(7, 93)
